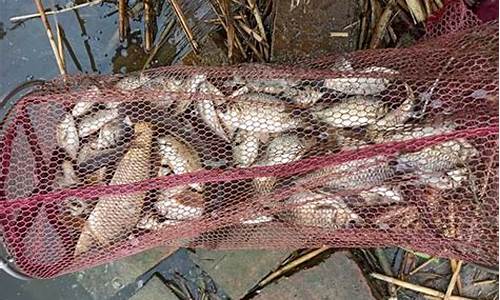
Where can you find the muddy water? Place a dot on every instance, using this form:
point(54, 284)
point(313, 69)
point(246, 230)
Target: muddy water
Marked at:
point(92, 36)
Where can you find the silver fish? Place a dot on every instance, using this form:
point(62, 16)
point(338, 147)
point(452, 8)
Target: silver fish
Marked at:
point(151, 222)
point(259, 116)
point(440, 157)
point(111, 133)
point(169, 204)
point(112, 105)
point(283, 149)
point(132, 82)
point(67, 177)
point(370, 81)
point(206, 109)
point(245, 148)
point(67, 136)
point(382, 194)
point(353, 112)
point(81, 108)
point(183, 205)
point(415, 132)
point(115, 215)
point(349, 143)
point(268, 86)
point(361, 174)
point(180, 157)
point(397, 117)
point(304, 98)
point(190, 86)
point(342, 64)
point(257, 220)
point(93, 123)
point(315, 209)
point(444, 181)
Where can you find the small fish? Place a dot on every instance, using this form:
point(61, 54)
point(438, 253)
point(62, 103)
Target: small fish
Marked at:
point(382, 194)
point(93, 123)
point(350, 143)
point(444, 181)
point(361, 174)
point(98, 176)
point(190, 86)
point(304, 98)
point(180, 157)
point(318, 210)
point(342, 64)
point(132, 82)
point(353, 112)
point(267, 86)
point(112, 104)
point(245, 148)
point(281, 150)
point(68, 177)
point(396, 118)
point(259, 116)
point(258, 220)
point(370, 81)
point(206, 109)
point(152, 222)
point(415, 132)
point(67, 136)
point(112, 133)
point(81, 108)
point(115, 215)
point(437, 158)
point(77, 207)
point(166, 89)
point(180, 205)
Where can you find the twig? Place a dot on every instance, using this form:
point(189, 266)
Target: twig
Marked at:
point(392, 34)
point(423, 265)
point(249, 44)
point(60, 48)
point(340, 34)
point(416, 288)
point(53, 12)
point(162, 40)
point(381, 26)
point(387, 269)
point(228, 26)
point(184, 25)
point(251, 32)
point(427, 7)
point(416, 10)
point(71, 52)
point(364, 24)
point(46, 24)
point(454, 265)
point(122, 19)
point(86, 43)
point(291, 265)
point(258, 18)
point(453, 281)
point(483, 282)
point(148, 33)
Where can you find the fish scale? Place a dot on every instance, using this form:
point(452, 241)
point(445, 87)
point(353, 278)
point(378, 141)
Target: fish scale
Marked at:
point(115, 215)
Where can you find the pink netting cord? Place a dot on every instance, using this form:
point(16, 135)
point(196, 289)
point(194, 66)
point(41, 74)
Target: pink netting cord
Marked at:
point(373, 148)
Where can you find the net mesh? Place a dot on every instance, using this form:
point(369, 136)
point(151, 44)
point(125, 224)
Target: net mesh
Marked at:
point(372, 148)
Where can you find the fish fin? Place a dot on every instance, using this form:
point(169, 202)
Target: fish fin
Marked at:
point(85, 241)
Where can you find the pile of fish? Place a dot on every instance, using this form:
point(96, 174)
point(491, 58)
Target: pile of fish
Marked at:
point(265, 122)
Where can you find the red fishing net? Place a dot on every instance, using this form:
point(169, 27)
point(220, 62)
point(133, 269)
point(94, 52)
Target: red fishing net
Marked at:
point(372, 148)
